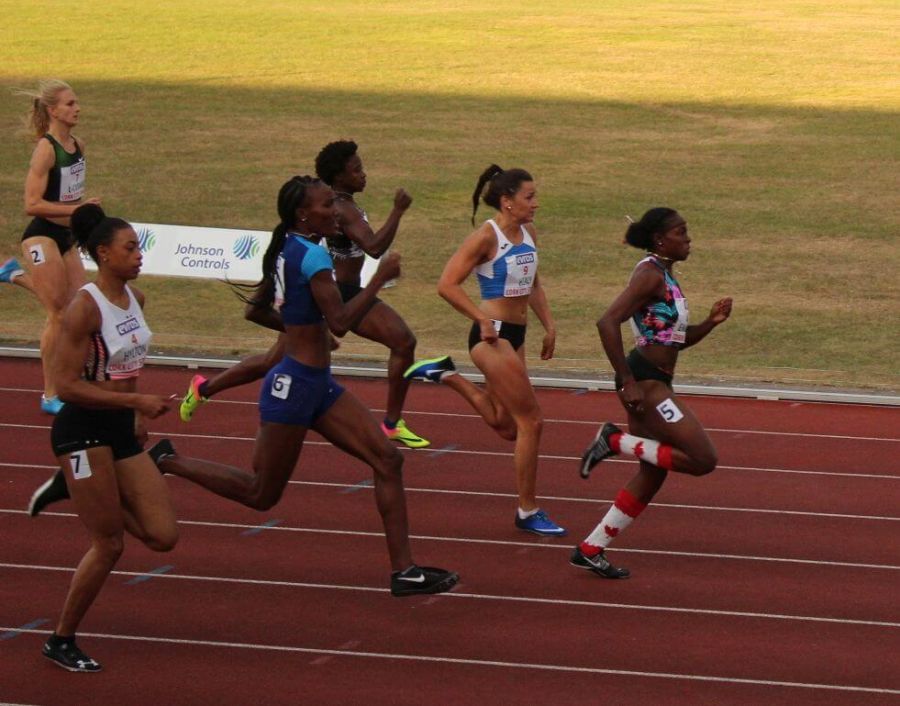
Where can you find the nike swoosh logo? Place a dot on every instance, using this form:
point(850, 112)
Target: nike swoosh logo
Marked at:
point(504, 246)
point(419, 579)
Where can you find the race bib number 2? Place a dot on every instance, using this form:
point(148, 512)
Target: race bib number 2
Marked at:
point(37, 254)
point(281, 386)
point(669, 411)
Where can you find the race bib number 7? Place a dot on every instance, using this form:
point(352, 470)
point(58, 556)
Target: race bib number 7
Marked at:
point(81, 467)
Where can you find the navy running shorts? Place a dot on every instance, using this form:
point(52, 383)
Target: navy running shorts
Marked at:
point(77, 428)
point(294, 393)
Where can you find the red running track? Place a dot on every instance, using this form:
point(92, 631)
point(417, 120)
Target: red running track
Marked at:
point(774, 580)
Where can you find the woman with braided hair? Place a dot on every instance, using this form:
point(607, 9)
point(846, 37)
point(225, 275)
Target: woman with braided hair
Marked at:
point(503, 254)
point(298, 292)
point(663, 433)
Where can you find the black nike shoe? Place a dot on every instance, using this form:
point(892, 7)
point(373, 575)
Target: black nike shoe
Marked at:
point(422, 579)
point(598, 450)
point(160, 450)
point(52, 490)
point(598, 564)
point(66, 654)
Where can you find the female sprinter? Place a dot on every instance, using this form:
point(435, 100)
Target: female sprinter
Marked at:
point(663, 433)
point(98, 435)
point(299, 393)
point(338, 164)
point(54, 188)
point(503, 253)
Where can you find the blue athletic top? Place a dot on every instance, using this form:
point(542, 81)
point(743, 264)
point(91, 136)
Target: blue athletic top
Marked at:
point(511, 273)
point(300, 259)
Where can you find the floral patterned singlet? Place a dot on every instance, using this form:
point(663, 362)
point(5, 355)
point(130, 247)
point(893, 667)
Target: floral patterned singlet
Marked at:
point(663, 322)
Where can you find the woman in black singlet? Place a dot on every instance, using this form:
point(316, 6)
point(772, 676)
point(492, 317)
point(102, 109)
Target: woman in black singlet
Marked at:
point(98, 436)
point(54, 188)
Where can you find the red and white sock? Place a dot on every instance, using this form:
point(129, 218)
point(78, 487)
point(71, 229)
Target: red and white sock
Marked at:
point(623, 511)
point(645, 449)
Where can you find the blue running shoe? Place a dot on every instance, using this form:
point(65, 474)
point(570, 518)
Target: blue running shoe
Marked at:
point(433, 369)
point(51, 405)
point(539, 523)
point(10, 269)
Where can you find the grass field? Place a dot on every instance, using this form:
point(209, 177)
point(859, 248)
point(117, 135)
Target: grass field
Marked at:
point(773, 127)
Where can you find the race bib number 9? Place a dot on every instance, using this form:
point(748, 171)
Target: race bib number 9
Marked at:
point(669, 411)
point(281, 386)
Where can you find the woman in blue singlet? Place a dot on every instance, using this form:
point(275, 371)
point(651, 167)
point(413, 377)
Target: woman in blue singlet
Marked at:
point(503, 254)
point(54, 188)
point(98, 435)
point(298, 293)
point(663, 433)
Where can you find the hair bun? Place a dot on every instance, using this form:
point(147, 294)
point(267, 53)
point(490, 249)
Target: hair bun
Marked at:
point(84, 219)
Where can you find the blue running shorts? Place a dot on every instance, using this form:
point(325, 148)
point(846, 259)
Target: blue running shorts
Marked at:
point(294, 393)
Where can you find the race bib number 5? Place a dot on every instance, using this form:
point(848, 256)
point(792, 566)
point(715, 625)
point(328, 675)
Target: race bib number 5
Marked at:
point(669, 411)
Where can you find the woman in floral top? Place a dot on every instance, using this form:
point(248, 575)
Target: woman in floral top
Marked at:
point(664, 434)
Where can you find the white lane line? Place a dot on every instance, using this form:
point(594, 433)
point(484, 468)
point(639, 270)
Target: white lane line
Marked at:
point(483, 663)
point(500, 542)
point(479, 596)
point(502, 454)
point(367, 483)
point(590, 423)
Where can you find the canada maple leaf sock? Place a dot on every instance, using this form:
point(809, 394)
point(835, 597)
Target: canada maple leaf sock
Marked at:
point(622, 513)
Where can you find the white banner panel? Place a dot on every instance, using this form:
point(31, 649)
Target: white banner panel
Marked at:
point(193, 251)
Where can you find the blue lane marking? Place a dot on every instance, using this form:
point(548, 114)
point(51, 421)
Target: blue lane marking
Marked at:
point(150, 574)
point(443, 450)
point(257, 530)
point(10, 634)
point(368, 483)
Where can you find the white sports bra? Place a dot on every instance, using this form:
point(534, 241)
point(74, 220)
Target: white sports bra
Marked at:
point(119, 348)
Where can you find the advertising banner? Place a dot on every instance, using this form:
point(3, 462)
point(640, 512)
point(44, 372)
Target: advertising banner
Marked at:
point(193, 251)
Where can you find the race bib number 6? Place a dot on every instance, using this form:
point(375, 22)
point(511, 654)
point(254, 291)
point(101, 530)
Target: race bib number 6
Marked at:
point(669, 411)
point(281, 386)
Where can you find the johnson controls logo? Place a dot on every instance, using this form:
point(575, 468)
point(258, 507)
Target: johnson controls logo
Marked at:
point(146, 239)
point(245, 247)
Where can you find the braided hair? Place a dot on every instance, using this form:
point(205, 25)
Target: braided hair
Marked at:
point(291, 197)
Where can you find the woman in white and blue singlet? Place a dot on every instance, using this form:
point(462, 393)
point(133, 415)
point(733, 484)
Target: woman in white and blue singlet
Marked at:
point(98, 435)
point(298, 294)
point(503, 254)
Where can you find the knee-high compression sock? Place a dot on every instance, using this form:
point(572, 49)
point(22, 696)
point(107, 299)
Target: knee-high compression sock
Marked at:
point(622, 513)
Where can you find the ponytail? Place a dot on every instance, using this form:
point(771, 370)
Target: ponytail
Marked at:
point(92, 228)
point(495, 182)
point(37, 118)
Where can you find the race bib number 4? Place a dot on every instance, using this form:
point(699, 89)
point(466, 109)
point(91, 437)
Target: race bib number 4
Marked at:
point(669, 411)
point(281, 386)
